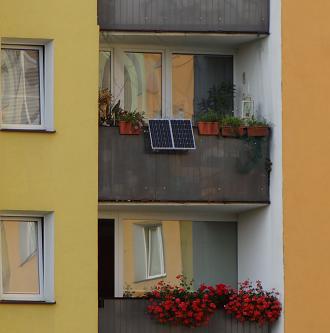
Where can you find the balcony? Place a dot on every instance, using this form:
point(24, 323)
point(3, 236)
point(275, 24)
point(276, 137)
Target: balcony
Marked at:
point(228, 16)
point(129, 315)
point(220, 170)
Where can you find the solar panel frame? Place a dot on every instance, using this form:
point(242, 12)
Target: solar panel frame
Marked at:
point(153, 140)
point(182, 132)
point(172, 146)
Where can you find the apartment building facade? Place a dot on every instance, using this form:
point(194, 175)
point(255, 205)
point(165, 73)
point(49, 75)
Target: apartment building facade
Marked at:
point(89, 216)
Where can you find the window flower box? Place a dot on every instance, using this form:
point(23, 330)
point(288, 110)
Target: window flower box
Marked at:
point(229, 131)
point(127, 128)
point(208, 128)
point(259, 131)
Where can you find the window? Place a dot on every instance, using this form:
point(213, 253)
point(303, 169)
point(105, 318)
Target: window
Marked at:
point(199, 82)
point(25, 263)
point(26, 96)
point(104, 70)
point(154, 251)
point(148, 251)
point(166, 84)
point(143, 83)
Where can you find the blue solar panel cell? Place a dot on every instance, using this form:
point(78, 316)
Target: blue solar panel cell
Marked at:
point(183, 136)
point(175, 134)
point(160, 134)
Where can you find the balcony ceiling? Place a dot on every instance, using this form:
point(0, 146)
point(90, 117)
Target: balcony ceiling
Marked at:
point(202, 40)
point(209, 211)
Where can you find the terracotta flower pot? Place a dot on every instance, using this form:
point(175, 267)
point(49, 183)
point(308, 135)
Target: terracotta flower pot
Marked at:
point(208, 128)
point(126, 128)
point(229, 131)
point(258, 131)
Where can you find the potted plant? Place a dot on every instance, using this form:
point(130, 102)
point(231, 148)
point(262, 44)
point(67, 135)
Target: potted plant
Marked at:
point(208, 123)
point(108, 108)
point(232, 126)
point(257, 127)
point(130, 122)
point(220, 98)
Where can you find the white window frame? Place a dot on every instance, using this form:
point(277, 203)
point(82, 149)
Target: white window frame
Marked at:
point(117, 73)
point(147, 230)
point(45, 222)
point(110, 50)
point(40, 50)
point(22, 296)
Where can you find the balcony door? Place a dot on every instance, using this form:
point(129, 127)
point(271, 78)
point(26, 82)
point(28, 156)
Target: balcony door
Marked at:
point(106, 259)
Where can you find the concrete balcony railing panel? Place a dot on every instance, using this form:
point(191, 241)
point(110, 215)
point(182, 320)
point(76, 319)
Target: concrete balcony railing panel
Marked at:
point(224, 170)
point(244, 16)
point(129, 315)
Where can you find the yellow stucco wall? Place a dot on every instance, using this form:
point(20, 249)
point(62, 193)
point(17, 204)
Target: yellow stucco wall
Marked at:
point(306, 164)
point(58, 172)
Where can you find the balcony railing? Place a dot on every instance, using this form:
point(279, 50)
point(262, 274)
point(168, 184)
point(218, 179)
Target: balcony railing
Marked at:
point(129, 315)
point(184, 15)
point(219, 170)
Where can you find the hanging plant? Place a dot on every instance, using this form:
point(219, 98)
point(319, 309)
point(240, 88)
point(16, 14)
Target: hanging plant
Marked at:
point(178, 304)
point(254, 304)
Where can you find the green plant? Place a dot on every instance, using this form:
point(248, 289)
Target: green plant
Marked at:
point(220, 99)
point(207, 116)
point(232, 121)
point(108, 108)
point(134, 117)
point(252, 122)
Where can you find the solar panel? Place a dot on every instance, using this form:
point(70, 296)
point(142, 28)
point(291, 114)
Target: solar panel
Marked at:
point(171, 134)
point(160, 134)
point(183, 135)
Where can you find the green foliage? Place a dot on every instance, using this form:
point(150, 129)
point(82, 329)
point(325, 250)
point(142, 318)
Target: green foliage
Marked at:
point(220, 99)
point(232, 121)
point(208, 116)
point(134, 117)
point(252, 122)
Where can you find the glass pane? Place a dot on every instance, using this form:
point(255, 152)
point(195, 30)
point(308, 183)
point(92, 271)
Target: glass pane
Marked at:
point(143, 83)
point(20, 87)
point(105, 70)
point(201, 82)
point(155, 252)
point(183, 86)
point(205, 252)
point(19, 257)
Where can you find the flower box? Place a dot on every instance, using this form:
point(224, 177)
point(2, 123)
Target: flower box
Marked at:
point(208, 128)
point(253, 131)
point(127, 128)
point(230, 131)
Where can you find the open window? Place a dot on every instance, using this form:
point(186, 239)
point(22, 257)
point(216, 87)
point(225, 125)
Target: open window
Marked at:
point(205, 252)
point(148, 252)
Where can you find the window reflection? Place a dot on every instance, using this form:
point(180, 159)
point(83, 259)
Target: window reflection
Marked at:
point(19, 257)
point(105, 70)
point(20, 87)
point(153, 250)
point(143, 83)
point(193, 77)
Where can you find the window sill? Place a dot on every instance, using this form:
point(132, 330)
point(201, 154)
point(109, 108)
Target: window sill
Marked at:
point(26, 302)
point(26, 130)
point(152, 278)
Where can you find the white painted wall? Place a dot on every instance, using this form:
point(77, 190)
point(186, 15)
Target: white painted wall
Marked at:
point(260, 232)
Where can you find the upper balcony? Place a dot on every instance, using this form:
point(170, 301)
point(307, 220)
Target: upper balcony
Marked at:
point(220, 170)
point(226, 16)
